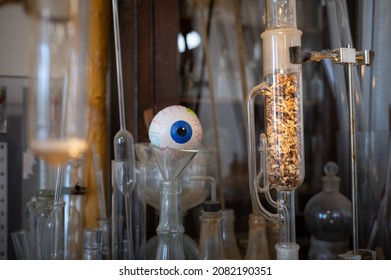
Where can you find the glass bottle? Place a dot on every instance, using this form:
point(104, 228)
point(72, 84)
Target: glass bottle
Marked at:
point(231, 249)
point(170, 229)
point(92, 244)
point(328, 215)
point(211, 239)
point(257, 245)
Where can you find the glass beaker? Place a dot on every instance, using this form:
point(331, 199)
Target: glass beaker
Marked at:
point(46, 229)
point(57, 99)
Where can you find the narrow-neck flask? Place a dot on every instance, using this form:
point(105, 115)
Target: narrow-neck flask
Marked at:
point(328, 217)
point(231, 248)
point(257, 246)
point(170, 229)
point(211, 239)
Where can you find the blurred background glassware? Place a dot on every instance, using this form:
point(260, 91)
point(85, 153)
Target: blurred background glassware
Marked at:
point(46, 229)
point(257, 245)
point(230, 244)
point(57, 99)
point(20, 240)
point(73, 192)
point(92, 244)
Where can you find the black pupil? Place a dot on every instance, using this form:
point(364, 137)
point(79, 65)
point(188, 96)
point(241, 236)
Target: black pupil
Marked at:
point(182, 131)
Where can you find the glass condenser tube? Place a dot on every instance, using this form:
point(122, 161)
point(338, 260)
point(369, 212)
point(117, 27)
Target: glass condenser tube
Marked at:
point(283, 112)
point(282, 146)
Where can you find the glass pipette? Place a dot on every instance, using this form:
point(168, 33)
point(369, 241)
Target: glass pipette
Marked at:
point(123, 142)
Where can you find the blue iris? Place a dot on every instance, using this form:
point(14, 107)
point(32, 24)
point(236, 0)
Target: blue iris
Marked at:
point(181, 132)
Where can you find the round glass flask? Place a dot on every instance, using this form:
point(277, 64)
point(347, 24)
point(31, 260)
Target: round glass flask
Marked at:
point(328, 216)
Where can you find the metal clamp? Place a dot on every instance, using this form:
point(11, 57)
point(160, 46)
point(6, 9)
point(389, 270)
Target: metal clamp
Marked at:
point(340, 55)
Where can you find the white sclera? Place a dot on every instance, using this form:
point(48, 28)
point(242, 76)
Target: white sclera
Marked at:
point(176, 127)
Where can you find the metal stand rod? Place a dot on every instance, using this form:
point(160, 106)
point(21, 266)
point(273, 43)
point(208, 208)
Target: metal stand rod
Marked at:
point(350, 57)
point(353, 157)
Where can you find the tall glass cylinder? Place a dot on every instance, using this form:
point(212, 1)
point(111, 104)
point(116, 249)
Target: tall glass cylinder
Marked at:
point(57, 103)
point(283, 110)
point(282, 145)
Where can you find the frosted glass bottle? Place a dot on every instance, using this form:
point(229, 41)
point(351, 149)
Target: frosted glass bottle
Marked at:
point(230, 245)
point(211, 239)
point(328, 215)
point(257, 245)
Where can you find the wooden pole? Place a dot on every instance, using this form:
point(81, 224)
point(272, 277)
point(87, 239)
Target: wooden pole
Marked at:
point(100, 11)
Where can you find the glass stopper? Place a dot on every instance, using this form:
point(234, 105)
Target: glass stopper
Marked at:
point(331, 168)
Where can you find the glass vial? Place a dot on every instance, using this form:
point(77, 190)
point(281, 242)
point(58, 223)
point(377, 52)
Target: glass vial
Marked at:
point(211, 239)
point(92, 244)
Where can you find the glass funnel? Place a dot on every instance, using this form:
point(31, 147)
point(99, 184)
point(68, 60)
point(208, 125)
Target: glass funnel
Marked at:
point(193, 191)
point(170, 229)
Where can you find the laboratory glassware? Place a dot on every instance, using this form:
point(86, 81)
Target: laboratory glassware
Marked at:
point(170, 230)
point(193, 192)
point(46, 229)
point(328, 215)
point(57, 99)
point(211, 236)
point(73, 193)
point(281, 146)
point(125, 162)
point(92, 242)
point(20, 240)
point(257, 242)
point(230, 244)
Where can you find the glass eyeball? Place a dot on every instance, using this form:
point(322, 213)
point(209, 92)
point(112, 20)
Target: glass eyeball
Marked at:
point(176, 127)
